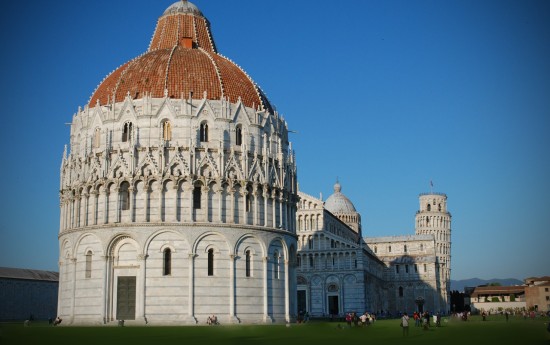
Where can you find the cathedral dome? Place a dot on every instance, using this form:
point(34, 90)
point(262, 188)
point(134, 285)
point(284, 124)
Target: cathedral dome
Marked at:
point(338, 202)
point(181, 62)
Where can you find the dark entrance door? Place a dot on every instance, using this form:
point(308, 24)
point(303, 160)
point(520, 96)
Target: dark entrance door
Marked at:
point(302, 305)
point(420, 304)
point(333, 305)
point(126, 298)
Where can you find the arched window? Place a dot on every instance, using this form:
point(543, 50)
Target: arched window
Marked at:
point(396, 268)
point(167, 269)
point(210, 262)
point(400, 291)
point(421, 247)
point(247, 268)
point(439, 207)
point(389, 249)
point(97, 138)
point(405, 248)
point(332, 244)
point(429, 207)
point(197, 194)
point(166, 130)
point(375, 249)
point(126, 132)
point(124, 196)
point(204, 132)
point(406, 268)
point(239, 135)
point(89, 264)
point(276, 265)
point(310, 243)
point(298, 261)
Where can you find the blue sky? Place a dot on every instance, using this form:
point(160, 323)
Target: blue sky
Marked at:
point(384, 95)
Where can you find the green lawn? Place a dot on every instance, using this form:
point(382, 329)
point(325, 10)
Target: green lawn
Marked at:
point(494, 331)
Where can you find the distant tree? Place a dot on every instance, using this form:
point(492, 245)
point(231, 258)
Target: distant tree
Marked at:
point(494, 284)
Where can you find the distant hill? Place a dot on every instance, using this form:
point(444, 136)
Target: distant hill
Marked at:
point(459, 285)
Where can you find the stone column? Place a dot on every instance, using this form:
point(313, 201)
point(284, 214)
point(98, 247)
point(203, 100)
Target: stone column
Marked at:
point(106, 206)
point(191, 297)
point(244, 193)
point(68, 215)
point(140, 288)
point(266, 197)
point(267, 317)
point(161, 192)
point(174, 216)
point(145, 202)
point(105, 300)
point(281, 216)
point(205, 203)
point(79, 209)
point(274, 198)
point(70, 207)
point(232, 286)
point(118, 214)
point(61, 217)
point(219, 192)
point(92, 200)
point(131, 201)
point(86, 209)
point(285, 212)
point(287, 292)
point(255, 205)
point(232, 208)
point(73, 294)
point(63, 214)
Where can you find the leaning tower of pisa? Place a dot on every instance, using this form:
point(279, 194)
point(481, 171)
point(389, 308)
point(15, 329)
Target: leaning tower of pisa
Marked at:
point(433, 218)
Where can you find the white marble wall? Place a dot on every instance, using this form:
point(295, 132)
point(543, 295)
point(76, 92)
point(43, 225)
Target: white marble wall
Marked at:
point(125, 198)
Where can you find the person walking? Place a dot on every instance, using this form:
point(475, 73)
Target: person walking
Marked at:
point(405, 324)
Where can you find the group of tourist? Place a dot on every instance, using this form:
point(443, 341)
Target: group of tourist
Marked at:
point(420, 320)
point(365, 319)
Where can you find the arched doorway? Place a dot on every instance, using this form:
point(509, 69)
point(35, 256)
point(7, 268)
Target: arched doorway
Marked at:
point(419, 301)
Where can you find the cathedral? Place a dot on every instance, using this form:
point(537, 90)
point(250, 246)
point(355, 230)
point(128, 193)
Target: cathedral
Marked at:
point(179, 200)
point(339, 270)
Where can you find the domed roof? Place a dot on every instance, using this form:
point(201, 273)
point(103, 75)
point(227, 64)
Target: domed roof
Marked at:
point(338, 202)
point(183, 6)
point(181, 61)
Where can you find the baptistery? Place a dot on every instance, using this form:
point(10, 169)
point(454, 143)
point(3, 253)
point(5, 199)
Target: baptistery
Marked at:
point(178, 191)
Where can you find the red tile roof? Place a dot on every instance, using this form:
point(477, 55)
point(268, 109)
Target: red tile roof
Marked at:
point(170, 65)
